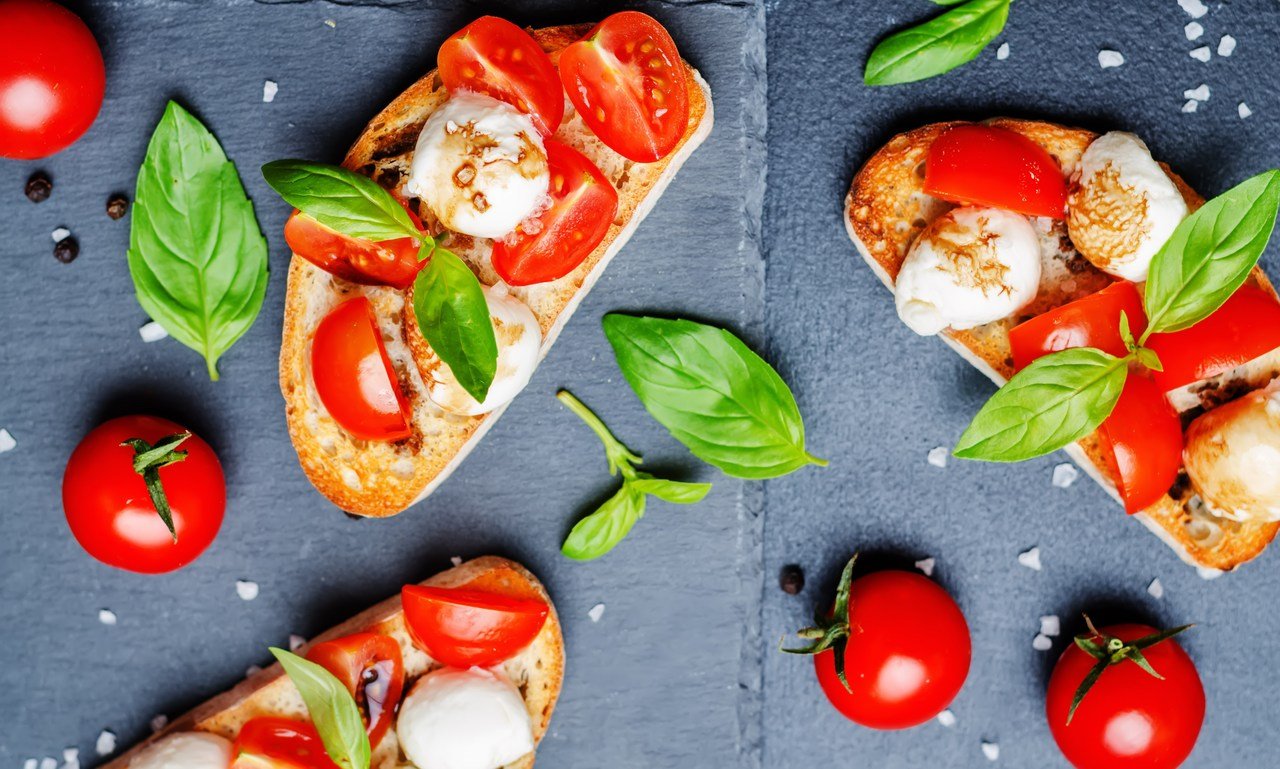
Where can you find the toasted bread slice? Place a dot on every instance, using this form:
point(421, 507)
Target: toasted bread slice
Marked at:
point(887, 208)
point(382, 478)
point(538, 671)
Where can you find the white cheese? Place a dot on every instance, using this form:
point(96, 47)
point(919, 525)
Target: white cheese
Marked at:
point(186, 750)
point(464, 719)
point(519, 340)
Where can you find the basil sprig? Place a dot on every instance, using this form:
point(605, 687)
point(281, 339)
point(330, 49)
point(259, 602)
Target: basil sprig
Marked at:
point(716, 396)
point(938, 45)
point(452, 312)
point(603, 529)
point(332, 709)
point(148, 458)
point(196, 255)
point(1108, 651)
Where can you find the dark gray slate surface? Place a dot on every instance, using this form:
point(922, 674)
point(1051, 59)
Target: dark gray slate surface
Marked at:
point(680, 671)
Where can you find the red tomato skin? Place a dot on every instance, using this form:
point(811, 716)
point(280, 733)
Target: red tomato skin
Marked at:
point(1246, 326)
point(1129, 719)
point(1145, 436)
point(1092, 321)
point(463, 628)
point(353, 374)
point(601, 76)
point(269, 742)
point(583, 206)
point(349, 659)
point(908, 656)
point(990, 166)
point(387, 263)
point(52, 78)
point(495, 57)
point(112, 516)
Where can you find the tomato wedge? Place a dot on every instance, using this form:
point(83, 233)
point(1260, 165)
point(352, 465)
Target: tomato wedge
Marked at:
point(1245, 326)
point(583, 204)
point(1093, 321)
point(629, 84)
point(372, 669)
point(1145, 435)
point(989, 166)
point(353, 374)
point(495, 57)
point(268, 742)
point(463, 628)
point(387, 263)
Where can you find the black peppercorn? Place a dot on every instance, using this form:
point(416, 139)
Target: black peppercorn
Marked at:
point(39, 187)
point(66, 250)
point(117, 206)
point(791, 579)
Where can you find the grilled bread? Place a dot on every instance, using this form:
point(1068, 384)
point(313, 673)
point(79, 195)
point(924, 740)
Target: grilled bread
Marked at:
point(887, 208)
point(538, 671)
point(379, 479)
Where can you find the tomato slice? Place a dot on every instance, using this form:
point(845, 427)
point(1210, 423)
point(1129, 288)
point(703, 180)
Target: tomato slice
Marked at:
point(372, 669)
point(583, 204)
point(1245, 326)
point(388, 263)
point(1145, 436)
point(989, 166)
point(268, 742)
point(353, 374)
point(1093, 321)
point(463, 627)
point(495, 57)
point(629, 84)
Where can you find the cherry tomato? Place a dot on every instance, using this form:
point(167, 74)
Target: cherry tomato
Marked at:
point(629, 84)
point(989, 166)
point(353, 374)
point(1145, 436)
point(1129, 719)
point(495, 57)
point(464, 627)
point(583, 204)
point(51, 78)
point(111, 512)
point(268, 742)
point(372, 669)
point(388, 263)
point(1245, 326)
point(1093, 321)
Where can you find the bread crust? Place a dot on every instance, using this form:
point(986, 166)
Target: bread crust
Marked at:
point(538, 670)
point(379, 479)
point(886, 209)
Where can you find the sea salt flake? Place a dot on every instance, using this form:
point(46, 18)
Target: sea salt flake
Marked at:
point(1002, 52)
point(1042, 642)
point(246, 590)
point(159, 722)
point(947, 718)
point(1156, 589)
point(596, 612)
point(1190, 106)
point(1244, 110)
point(1050, 625)
point(106, 744)
point(1064, 475)
point(1199, 93)
point(60, 234)
point(1193, 30)
point(252, 670)
point(106, 616)
point(1108, 59)
point(48, 763)
point(1194, 8)
point(1227, 45)
point(938, 456)
point(456, 560)
point(1030, 559)
point(269, 90)
point(152, 332)
point(331, 24)
point(991, 750)
point(1202, 53)
point(926, 565)
point(30, 763)
point(296, 642)
point(7, 443)
point(71, 758)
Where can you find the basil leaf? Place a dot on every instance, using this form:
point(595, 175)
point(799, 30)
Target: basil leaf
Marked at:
point(938, 45)
point(342, 200)
point(332, 708)
point(453, 316)
point(599, 532)
point(1059, 398)
point(1210, 254)
point(716, 396)
point(675, 492)
point(196, 255)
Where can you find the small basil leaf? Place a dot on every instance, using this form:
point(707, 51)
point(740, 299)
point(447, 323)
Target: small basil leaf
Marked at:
point(1149, 358)
point(453, 316)
point(938, 45)
point(342, 200)
point(332, 708)
point(1058, 399)
point(716, 396)
point(676, 492)
point(599, 532)
point(196, 255)
point(1210, 254)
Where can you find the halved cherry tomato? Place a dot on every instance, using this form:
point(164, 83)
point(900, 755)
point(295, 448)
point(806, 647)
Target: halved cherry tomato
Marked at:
point(629, 84)
point(463, 628)
point(583, 204)
point(1245, 326)
point(388, 263)
point(268, 742)
point(353, 374)
point(495, 57)
point(372, 669)
point(1093, 321)
point(1145, 436)
point(989, 166)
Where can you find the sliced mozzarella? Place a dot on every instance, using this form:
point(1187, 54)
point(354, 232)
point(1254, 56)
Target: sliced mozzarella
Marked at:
point(1233, 457)
point(519, 339)
point(464, 719)
point(186, 750)
point(971, 266)
point(1123, 206)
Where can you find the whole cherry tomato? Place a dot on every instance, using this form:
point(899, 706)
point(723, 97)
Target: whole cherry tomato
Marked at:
point(372, 669)
point(492, 56)
point(353, 374)
point(269, 742)
point(388, 263)
point(126, 477)
point(51, 78)
point(464, 627)
point(989, 166)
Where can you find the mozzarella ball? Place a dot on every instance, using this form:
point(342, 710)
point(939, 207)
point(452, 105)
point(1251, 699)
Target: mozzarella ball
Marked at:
point(464, 719)
point(1233, 457)
point(186, 750)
